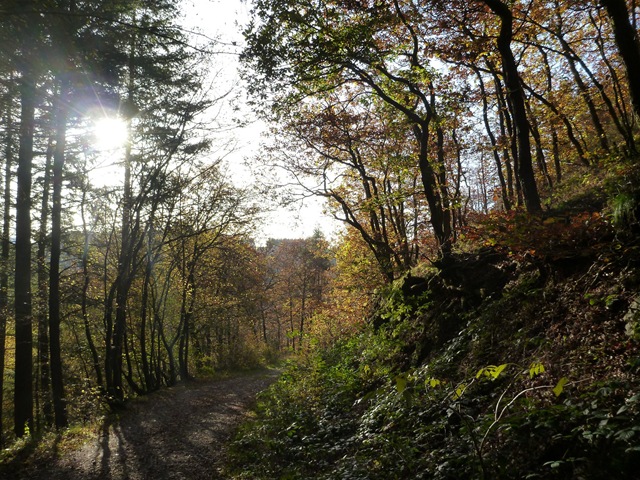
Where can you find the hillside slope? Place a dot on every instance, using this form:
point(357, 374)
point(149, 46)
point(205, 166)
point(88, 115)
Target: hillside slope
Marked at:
point(516, 359)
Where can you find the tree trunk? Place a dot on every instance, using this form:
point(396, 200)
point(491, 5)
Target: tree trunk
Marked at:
point(188, 302)
point(57, 382)
point(506, 132)
point(504, 193)
point(537, 139)
point(567, 123)
point(43, 366)
point(5, 246)
point(84, 299)
point(618, 112)
point(515, 94)
point(122, 292)
point(146, 369)
point(584, 93)
point(23, 395)
point(439, 218)
point(627, 41)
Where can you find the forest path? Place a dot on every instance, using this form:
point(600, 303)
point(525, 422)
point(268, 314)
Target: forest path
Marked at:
point(178, 433)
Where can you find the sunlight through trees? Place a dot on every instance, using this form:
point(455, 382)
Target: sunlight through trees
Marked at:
point(129, 257)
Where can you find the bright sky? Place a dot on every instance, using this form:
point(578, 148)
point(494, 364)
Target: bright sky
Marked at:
point(224, 20)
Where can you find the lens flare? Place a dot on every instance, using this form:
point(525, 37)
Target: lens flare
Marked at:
point(109, 134)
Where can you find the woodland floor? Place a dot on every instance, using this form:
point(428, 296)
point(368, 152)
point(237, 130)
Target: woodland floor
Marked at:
point(178, 433)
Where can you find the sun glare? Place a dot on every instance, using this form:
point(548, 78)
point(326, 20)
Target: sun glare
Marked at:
point(109, 133)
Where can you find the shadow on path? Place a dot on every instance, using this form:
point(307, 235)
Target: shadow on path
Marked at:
point(178, 433)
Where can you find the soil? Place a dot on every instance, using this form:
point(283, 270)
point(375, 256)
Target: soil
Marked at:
point(178, 433)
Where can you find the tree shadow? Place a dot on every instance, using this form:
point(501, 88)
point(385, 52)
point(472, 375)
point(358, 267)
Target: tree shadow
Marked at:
point(177, 433)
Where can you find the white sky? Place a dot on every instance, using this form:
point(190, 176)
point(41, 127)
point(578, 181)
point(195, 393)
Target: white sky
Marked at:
point(224, 20)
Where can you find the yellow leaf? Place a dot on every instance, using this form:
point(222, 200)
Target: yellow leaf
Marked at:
point(536, 369)
point(558, 389)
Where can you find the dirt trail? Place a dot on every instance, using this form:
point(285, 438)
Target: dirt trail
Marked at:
point(178, 434)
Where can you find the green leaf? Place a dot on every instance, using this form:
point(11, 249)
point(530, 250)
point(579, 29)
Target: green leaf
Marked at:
point(491, 371)
point(536, 369)
point(558, 389)
point(459, 391)
point(498, 370)
point(432, 382)
point(401, 382)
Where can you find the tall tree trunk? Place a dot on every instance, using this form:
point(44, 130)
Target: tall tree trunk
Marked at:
point(85, 298)
point(144, 355)
point(567, 123)
point(435, 190)
point(303, 308)
point(440, 218)
point(44, 392)
point(441, 180)
point(627, 42)
point(618, 112)
point(57, 382)
point(125, 259)
point(122, 288)
point(5, 246)
point(584, 93)
point(188, 302)
point(504, 193)
point(516, 98)
point(555, 146)
point(23, 395)
point(555, 142)
point(506, 132)
point(537, 139)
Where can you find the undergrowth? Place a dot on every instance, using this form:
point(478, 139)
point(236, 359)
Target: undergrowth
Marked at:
point(349, 413)
point(535, 377)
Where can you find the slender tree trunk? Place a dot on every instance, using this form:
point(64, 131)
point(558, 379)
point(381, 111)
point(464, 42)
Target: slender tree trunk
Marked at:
point(537, 139)
point(441, 177)
point(188, 302)
point(95, 359)
point(303, 307)
point(169, 348)
point(461, 206)
point(129, 352)
point(506, 132)
point(123, 280)
point(293, 338)
point(439, 218)
point(618, 112)
point(504, 193)
point(108, 337)
point(555, 145)
point(122, 289)
point(516, 98)
point(627, 41)
point(44, 392)
point(57, 381)
point(584, 93)
point(146, 369)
